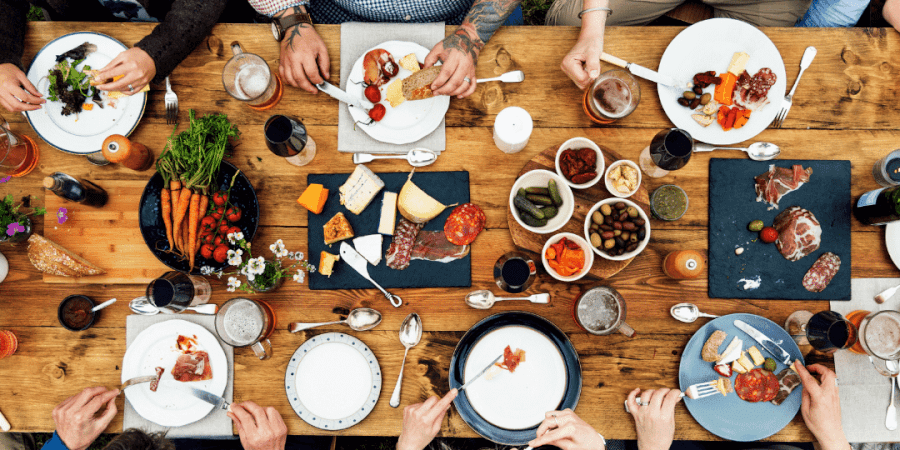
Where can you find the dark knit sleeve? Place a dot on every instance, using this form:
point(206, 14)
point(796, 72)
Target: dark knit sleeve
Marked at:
point(182, 30)
point(12, 31)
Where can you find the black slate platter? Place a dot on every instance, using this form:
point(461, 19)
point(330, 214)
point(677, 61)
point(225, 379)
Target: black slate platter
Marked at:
point(445, 187)
point(733, 205)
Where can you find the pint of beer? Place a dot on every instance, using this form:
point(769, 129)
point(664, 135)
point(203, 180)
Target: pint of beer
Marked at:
point(879, 334)
point(612, 96)
point(242, 322)
point(247, 77)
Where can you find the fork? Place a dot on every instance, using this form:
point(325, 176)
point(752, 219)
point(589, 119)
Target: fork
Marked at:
point(693, 392)
point(808, 55)
point(171, 104)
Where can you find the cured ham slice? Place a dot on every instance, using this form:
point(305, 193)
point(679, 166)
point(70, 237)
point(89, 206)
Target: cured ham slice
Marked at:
point(779, 181)
point(434, 246)
point(788, 380)
point(400, 251)
point(751, 92)
point(192, 366)
point(799, 233)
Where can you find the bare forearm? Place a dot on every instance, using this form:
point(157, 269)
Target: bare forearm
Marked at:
point(484, 18)
point(891, 13)
point(593, 24)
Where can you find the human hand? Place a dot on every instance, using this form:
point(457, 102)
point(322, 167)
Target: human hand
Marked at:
point(655, 423)
point(422, 421)
point(304, 58)
point(821, 406)
point(258, 428)
point(137, 68)
point(564, 429)
point(459, 54)
point(77, 423)
point(16, 92)
point(582, 63)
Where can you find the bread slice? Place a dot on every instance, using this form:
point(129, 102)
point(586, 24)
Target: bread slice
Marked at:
point(49, 257)
point(710, 352)
point(418, 85)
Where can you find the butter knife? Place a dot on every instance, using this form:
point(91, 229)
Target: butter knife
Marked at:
point(768, 344)
point(640, 71)
point(342, 96)
point(359, 264)
point(480, 374)
point(209, 397)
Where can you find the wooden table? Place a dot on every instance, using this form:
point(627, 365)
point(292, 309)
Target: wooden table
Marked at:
point(844, 109)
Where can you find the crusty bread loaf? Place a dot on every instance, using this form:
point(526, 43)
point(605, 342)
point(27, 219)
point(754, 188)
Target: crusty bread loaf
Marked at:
point(49, 257)
point(710, 352)
point(418, 85)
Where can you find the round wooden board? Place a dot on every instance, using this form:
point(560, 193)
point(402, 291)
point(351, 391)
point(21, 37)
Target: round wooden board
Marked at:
point(585, 199)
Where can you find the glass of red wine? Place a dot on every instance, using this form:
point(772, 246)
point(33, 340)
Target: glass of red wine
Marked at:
point(669, 150)
point(826, 331)
point(174, 291)
point(514, 272)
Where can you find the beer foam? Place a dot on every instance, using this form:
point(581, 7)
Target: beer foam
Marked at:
point(598, 312)
point(882, 335)
point(243, 323)
point(251, 81)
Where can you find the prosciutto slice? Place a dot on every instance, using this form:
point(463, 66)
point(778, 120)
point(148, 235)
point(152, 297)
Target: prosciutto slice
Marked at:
point(751, 92)
point(192, 366)
point(788, 380)
point(799, 233)
point(434, 246)
point(779, 181)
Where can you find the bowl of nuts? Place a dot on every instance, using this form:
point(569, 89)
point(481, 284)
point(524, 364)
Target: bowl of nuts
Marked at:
point(580, 162)
point(617, 229)
point(623, 178)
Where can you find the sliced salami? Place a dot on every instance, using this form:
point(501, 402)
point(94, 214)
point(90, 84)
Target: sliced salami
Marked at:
point(757, 385)
point(400, 251)
point(821, 272)
point(464, 224)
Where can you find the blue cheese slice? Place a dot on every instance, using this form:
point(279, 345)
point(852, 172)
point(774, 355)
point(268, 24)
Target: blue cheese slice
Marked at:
point(388, 213)
point(369, 247)
point(359, 190)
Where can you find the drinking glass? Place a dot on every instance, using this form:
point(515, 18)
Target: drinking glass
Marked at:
point(242, 322)
point(826, 331)
point(612, 96)
point(247, 78)
point(601, 311)
point(286, 137)
point(175, 291)
point(18, 153)
point(514, 272)
point(669, 150)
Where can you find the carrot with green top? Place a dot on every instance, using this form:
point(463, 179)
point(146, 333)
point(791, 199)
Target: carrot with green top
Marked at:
point(193, 222)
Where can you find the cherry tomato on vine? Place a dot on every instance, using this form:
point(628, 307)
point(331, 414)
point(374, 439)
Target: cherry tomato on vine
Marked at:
point(220, 198)
point(372, 93)
point(219, 212)
point(233, 214)
point(377, 113)
point(206, 251)
point(207, 224)
point(220, 253)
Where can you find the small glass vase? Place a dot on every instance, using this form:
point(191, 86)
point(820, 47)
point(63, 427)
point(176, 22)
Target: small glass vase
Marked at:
point(270, 270)
point(21, 236)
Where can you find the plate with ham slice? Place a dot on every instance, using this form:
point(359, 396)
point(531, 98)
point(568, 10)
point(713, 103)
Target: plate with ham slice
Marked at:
point(190, 355)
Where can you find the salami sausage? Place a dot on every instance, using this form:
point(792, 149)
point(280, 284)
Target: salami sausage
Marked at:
point(821, 272)
point(757, 385)
point(464, 224)
point(771, 386)
point(400, 251)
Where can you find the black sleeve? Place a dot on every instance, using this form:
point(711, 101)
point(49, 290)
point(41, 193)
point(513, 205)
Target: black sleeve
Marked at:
point(12, 30)
point(186, 24)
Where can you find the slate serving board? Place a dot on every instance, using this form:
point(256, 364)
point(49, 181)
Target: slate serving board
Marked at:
point(733, 205)
point(445, 187)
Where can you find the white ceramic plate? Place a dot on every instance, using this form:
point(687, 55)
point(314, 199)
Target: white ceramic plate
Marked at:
point(83, 132)
point(155, 347)
point(410, 121)
point(892, 241)
point(709, 45)
point(333, 381)
point(520, 399)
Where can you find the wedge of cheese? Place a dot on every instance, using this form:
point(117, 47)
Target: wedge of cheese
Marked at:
point(326, 263)
point(738, 62)
point(337, 229)
point(313, 198)
point(758, 358)
point(359, 190)
point(394, 93)
point(416, 205)
point(410, 63)
point(369, 247)
point(732, 352)
point(742, 364)
point(388, 213)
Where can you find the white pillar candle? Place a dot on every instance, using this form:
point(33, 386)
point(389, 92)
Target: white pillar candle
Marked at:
point(4, 267)
point(512, 128)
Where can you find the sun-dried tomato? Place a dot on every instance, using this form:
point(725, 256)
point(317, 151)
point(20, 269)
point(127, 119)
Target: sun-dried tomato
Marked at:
point(582, 178)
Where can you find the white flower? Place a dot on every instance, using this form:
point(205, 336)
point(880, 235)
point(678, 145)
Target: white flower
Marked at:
point(277, 246)
point(299, 276)
point(298, 256)
point(233, 283)
point(239, 236)
point(234, 257)
point(206, 270)
point(256, 266)
point(246, 272)
point(231, 239)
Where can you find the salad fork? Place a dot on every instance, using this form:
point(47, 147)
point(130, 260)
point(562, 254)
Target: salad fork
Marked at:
point(171, 104)
point(805, 61)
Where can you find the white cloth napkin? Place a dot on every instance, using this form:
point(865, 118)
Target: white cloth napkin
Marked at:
point(216, 425)
point(356, 38)
point(865, 394)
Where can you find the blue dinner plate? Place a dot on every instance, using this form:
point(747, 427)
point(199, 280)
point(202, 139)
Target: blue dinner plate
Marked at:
point(730, 417)
point(495, 322)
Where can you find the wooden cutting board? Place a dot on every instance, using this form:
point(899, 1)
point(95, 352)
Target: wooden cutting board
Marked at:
point(108, 237)
point(585, 199)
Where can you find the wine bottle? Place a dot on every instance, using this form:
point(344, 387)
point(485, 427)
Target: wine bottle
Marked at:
point(69, 188)
point(879, 206)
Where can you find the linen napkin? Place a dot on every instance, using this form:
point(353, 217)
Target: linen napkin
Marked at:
point(864, 392)
point(216, 425)
point(356, 38)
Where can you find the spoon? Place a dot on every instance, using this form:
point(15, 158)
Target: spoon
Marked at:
point(417, 157)
point(757, 151)
point(484, 299)
point(360, 319)
point(890, 420)
point(142, 305)
point(97, 158)
point(516, 76)
point(688, 312)
point(103, 305)
point(410, 335)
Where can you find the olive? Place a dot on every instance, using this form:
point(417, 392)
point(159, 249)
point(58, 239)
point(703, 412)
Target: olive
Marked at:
point(607, 235)
point(632, 211)
point(684, 102)
point(633, 238)
point(620, 251)
point(617, 232)
point(595, 240)
point(642, 234)
point(695, 103)
point(594, 227)
point(639, 222)
point(625, 235)
point(608, 220)
point(631, 247)
point(597, 217)
point(623, 217)
point(620, 242)
point(630, 226)
point(606, 227)
point(698, 90)
point(620, 205)
point(690, 95)
point(609, 243)
point(605, 209)
point(617, 225)
point(705, 98)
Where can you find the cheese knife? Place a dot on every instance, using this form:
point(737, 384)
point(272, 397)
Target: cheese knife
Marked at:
point(359, 264)
point(209, 397)
point(641, 71)
point(765, 342)
point(342, 96)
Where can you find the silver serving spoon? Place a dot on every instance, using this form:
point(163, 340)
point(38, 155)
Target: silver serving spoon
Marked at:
point(484, 299)
point(142, 305)
point(410, 335)
point(417, 157)
point(103, 305)
point(890, 419)
point(360, 319)
point(516, 76)
point(688, 312)
point(757, 151)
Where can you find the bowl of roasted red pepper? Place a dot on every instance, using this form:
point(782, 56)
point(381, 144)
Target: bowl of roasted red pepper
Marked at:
point(580, 162)
point(567, 257)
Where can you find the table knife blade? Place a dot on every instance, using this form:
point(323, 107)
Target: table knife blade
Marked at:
point(765, 342)
point(208, 397)
point(480, 374)
point(640, 71)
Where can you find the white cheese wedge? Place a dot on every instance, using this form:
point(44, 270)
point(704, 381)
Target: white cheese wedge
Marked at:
point(732, 351)
point(369, 247)
point(359, 190)
point(388, 213)
point(757, 357)
point(738, 62)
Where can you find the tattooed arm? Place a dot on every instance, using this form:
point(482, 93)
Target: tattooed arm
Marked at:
point(459, 51)
point(582, 64)
point(304, 58)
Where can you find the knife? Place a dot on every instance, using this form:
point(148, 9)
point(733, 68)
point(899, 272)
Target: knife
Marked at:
point(210, 398)
point(765, 342)
point(483, 371)
point(641, 71)
point(359, 264)
point(341, 95)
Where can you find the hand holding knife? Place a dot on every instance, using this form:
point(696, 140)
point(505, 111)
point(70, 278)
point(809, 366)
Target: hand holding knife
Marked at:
point(641, 71)
point(767, 343)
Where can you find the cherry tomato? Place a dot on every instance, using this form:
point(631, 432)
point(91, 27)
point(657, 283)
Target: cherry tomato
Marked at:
point(220, 198)
point(220, 211)
point(377, 113)
point(372, 93)
point(206, 251)
point(208, 238)
point(223, 229)
point(220, 240)
point(768, 235)
point(220, 253)
point(233, 214)
point(207, 224)
point(233, 230)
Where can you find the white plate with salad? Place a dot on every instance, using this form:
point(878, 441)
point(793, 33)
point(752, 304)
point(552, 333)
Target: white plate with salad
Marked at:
point(82, 132)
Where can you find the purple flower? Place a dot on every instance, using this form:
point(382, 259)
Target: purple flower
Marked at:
point(4, 179)
point(14, 228)
point(61, 215)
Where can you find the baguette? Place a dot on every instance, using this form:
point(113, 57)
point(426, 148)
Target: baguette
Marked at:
point(49, 257)
point(418, 85)
point(710, 352)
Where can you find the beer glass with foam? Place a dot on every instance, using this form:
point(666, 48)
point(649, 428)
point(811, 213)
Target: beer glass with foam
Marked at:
point(247, 78)
point(601, 311)
point(879, 336)
point(242, 322)
point(612, 96)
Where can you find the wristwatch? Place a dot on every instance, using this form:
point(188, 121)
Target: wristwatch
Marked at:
point(281, 24)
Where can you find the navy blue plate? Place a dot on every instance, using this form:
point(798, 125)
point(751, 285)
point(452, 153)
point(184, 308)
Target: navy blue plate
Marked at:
point(515, 318)
point(730, 417)
point(154, 230)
